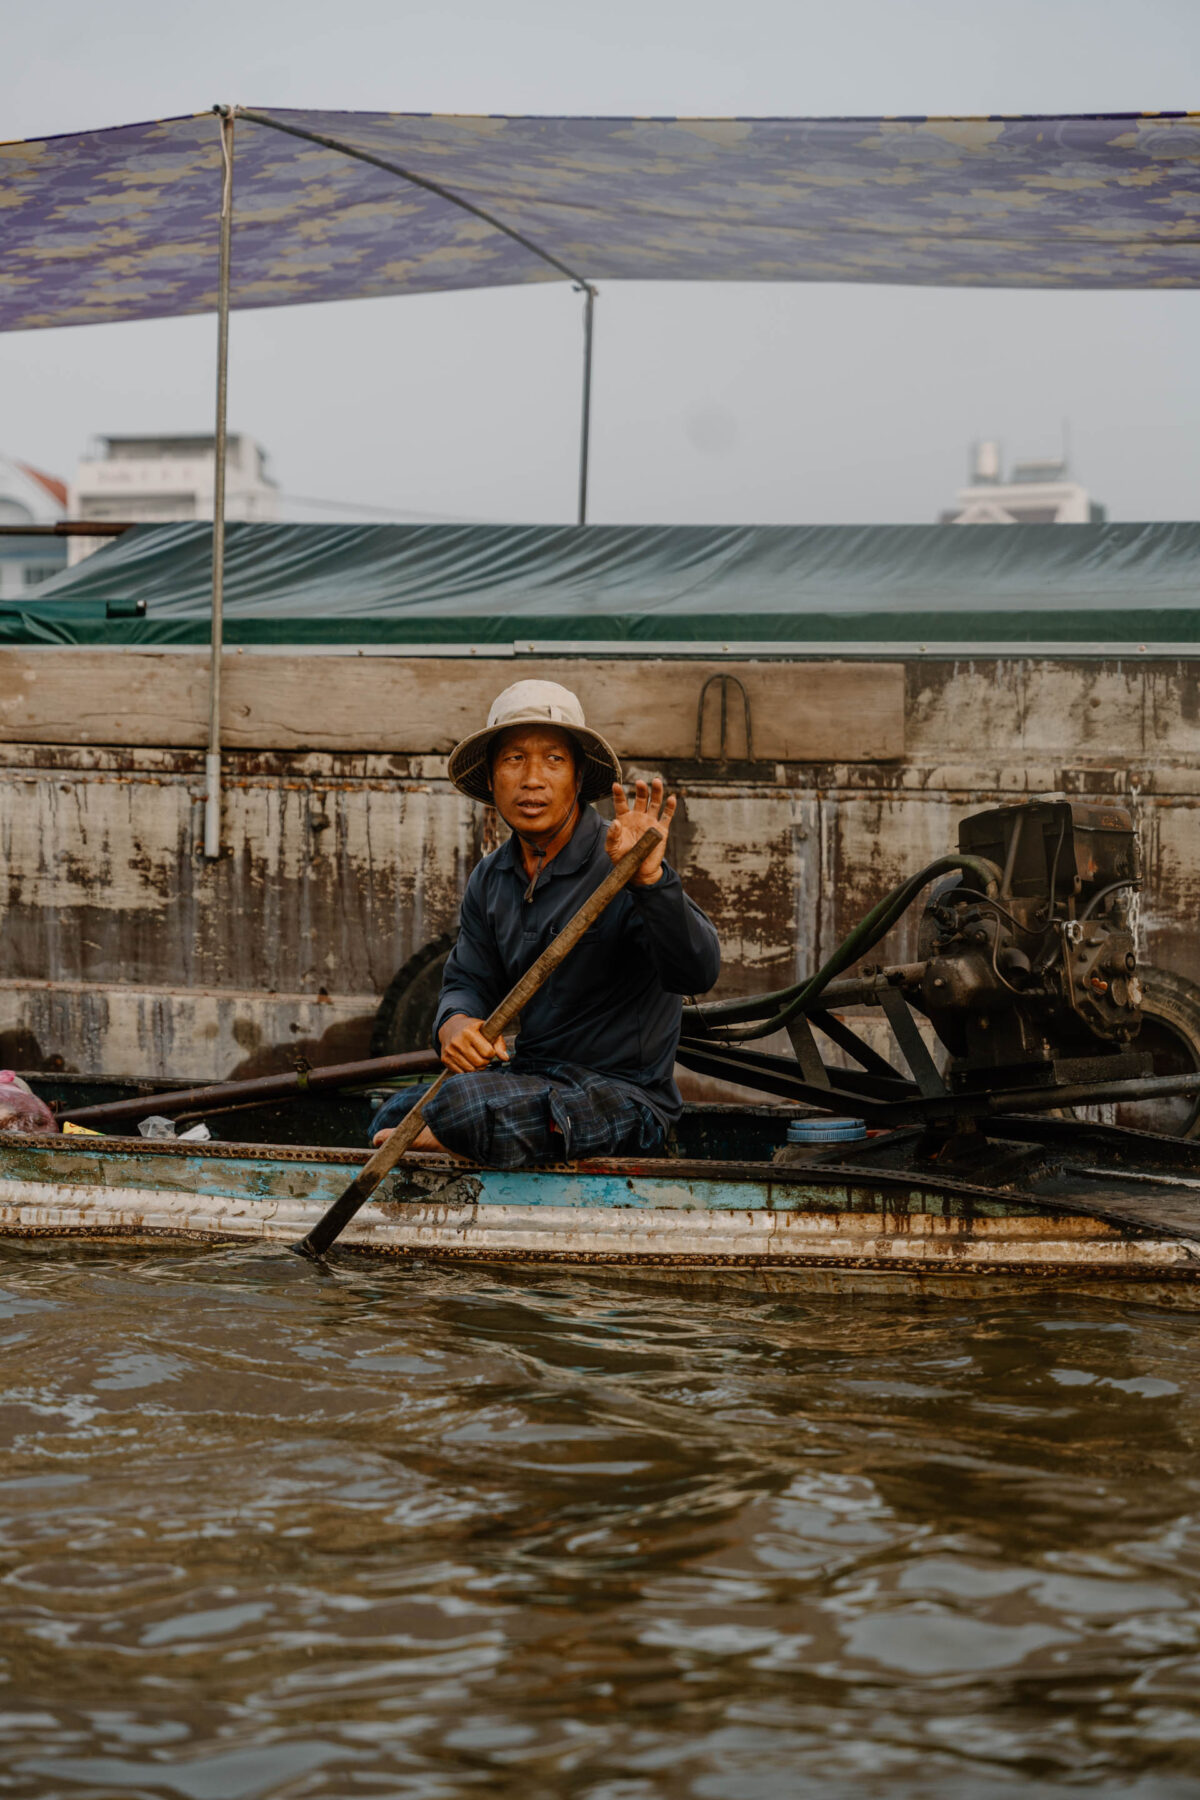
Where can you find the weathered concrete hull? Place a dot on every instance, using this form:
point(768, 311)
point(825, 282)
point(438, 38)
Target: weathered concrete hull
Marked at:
point(127, 951)
point(690, 1222)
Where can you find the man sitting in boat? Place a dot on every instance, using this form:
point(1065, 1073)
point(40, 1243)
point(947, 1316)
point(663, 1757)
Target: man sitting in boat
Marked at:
point(591, 1072)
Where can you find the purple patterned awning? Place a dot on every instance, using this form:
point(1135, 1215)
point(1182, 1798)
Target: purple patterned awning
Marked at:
point(122, 224)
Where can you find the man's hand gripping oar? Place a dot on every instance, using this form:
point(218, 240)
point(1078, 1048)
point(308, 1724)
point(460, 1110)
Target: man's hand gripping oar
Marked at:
point(334, 1222)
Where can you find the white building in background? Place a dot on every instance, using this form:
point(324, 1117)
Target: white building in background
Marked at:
point(28, 497)
point(1035, 493)
point(156, 480)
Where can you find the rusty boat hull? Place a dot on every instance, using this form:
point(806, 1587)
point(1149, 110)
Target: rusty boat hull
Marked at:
point(1084, 1212)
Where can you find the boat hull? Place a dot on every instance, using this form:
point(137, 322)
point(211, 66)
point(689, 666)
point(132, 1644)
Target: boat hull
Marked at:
point(636, 1215)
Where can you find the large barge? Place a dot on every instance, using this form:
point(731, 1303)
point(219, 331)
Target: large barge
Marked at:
point(827, 702)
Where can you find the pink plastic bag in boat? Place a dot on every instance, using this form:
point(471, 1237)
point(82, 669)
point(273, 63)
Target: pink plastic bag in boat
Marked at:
point(20, 1108)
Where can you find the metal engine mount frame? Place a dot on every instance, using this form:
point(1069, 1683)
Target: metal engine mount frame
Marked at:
point(1032, 989)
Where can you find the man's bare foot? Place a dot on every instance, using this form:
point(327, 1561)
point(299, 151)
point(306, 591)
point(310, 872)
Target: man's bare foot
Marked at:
point(426, 1141)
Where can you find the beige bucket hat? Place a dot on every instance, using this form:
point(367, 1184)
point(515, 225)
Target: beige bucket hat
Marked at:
point(534, 703)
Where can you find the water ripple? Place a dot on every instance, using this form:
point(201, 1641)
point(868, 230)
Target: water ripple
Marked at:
point(422, 1533)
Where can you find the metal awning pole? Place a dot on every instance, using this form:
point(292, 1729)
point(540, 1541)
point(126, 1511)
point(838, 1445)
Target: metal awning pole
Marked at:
point(585, 419)
point(385, 163)
point(212, 762)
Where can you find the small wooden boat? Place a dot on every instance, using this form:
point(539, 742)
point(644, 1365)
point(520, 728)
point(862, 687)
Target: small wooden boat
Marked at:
point(1056, 1198)
point(1028, 973)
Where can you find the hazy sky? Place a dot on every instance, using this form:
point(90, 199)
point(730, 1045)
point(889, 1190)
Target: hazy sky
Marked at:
point(712, 401)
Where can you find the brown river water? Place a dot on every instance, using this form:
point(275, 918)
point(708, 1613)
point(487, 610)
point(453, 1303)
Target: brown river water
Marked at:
point(430, 1533)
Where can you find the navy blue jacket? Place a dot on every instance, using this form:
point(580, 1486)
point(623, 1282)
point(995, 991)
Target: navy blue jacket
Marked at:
point(614, 1005)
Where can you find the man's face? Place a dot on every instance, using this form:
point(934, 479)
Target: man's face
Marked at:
point(533, 777)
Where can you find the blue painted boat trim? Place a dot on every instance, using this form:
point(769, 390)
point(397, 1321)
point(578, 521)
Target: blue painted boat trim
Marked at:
point(259, 1175)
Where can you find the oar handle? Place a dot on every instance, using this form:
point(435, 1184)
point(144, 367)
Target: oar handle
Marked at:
point(561, 947)
point(339, 1215)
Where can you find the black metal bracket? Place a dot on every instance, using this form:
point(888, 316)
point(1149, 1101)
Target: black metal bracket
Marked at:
point(912, 1045)
point(843, 1090)
point(804, 1046)
point(847, 1039)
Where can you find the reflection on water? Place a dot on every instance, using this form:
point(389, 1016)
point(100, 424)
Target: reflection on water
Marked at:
point(436, 1533)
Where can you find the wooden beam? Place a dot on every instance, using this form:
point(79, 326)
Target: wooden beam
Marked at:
point(800, 712)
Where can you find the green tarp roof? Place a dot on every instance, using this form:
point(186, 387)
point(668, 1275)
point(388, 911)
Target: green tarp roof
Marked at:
point(506, 585)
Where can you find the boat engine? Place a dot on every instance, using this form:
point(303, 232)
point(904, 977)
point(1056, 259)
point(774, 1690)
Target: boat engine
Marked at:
point(1025, 968)
point(1038, 982)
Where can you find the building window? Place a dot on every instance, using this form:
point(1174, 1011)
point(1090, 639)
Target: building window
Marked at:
point(33, 574)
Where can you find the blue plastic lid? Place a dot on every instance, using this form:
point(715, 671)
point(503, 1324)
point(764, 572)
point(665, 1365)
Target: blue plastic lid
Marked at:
point(826, 1131)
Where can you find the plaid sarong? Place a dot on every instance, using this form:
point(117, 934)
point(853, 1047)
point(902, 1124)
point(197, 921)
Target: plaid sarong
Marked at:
point(515, 1118)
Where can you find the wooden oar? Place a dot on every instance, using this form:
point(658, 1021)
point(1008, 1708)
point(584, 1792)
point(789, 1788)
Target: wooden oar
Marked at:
point(339, 1215)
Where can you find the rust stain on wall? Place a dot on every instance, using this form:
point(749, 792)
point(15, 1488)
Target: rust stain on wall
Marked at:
point(127, 951)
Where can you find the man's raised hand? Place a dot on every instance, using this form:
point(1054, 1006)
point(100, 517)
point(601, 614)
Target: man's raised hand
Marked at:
point(631, 822)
